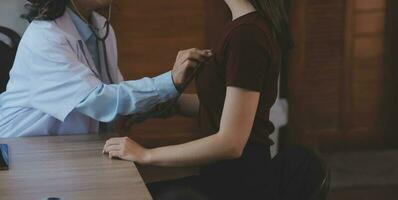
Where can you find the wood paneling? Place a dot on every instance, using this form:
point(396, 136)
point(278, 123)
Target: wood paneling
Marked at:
point(370, 23)
point(316, 74)
point(365, 193)
point(150, 33)
point(390, 102)
point(367, 68)
point(369, 5)
point(337, 73)
point(217, 15)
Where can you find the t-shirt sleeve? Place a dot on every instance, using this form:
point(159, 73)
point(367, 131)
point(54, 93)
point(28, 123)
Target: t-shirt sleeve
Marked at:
point(247, 58)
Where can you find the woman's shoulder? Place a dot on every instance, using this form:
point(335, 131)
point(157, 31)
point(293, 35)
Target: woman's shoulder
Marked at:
point(249, 34)
point(243, 33)
point(252, 26)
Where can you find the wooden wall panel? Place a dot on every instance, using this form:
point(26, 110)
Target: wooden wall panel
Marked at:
point(217, 15)
point(316, 71)
point(369, 5)
point(370, 23)
point(150, 33)
point(336, 73)
point(390, 101)
point(325, 25)
point(367, 69)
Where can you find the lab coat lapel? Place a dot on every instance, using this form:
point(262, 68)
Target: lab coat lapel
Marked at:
point(76, 42)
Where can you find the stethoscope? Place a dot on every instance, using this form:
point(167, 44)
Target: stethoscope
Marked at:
point(99, 39)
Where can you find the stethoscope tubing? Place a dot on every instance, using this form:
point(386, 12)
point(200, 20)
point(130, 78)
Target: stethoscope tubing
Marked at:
point(98, 39)
point(81, 46)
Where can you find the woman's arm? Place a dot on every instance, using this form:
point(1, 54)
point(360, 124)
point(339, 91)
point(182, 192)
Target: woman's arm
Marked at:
point(236, 123)
point(189, 105)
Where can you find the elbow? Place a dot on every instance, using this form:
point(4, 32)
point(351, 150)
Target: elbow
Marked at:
point(235, 151)
point(233, 147)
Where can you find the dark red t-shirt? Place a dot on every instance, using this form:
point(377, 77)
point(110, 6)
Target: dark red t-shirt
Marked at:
point(248, 57)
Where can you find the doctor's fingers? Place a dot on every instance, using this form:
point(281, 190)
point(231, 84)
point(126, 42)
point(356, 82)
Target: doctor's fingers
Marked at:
point(195, 54)
point(189, 64)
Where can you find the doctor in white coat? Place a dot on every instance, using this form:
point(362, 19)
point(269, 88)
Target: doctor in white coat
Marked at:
point(65, 79)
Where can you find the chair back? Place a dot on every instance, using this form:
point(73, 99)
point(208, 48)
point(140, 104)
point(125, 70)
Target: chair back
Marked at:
point(7, 54)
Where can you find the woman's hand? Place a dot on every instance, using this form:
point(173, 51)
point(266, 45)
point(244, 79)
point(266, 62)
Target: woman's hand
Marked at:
point(126, 149)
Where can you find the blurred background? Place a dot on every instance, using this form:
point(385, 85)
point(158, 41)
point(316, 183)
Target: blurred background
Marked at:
point(339, 92)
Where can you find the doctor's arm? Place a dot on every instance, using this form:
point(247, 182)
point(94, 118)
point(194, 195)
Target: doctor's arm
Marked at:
point(236, 124)
point(107, 102)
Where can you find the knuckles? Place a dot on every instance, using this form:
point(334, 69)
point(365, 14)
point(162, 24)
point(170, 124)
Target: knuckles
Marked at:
point(191, 54)
point(126, 139)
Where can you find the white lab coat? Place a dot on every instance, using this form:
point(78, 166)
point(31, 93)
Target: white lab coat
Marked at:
point(50, 77)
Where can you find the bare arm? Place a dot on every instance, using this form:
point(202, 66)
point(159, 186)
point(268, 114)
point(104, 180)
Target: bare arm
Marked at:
point(237, 120)
point(189, 105)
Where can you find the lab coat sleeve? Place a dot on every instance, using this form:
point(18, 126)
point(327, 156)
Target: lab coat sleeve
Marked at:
point(106, 102)
point(60, 81)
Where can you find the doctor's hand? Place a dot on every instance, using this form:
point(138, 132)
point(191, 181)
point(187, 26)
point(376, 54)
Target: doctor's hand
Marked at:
point(126, 149)
point(186, 62)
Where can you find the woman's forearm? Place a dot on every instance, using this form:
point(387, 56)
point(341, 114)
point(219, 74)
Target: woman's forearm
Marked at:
point(198, 152)
point(235, 127)
point(229, 143)
point(189, 105)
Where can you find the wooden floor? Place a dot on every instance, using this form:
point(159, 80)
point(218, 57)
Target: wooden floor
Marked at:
point(366, 175)
point(371, 193)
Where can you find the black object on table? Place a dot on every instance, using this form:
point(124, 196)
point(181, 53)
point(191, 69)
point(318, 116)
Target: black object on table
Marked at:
point(4, 158)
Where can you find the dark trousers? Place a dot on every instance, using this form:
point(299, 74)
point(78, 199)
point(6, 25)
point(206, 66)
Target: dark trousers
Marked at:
point(291, 175)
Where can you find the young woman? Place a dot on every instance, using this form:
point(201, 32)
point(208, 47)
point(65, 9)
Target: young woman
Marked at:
point(65, 78)
point(235, 93)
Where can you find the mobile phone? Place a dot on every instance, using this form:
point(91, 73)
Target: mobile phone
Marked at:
point(4, 158)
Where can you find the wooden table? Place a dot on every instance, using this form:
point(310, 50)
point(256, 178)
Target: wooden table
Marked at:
point(68, 167)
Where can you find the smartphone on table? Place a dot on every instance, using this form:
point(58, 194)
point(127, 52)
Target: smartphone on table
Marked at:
point(4, 157)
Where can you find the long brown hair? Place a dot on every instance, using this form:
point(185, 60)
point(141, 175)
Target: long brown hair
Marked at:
point(44, 9)
point(275, 13)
